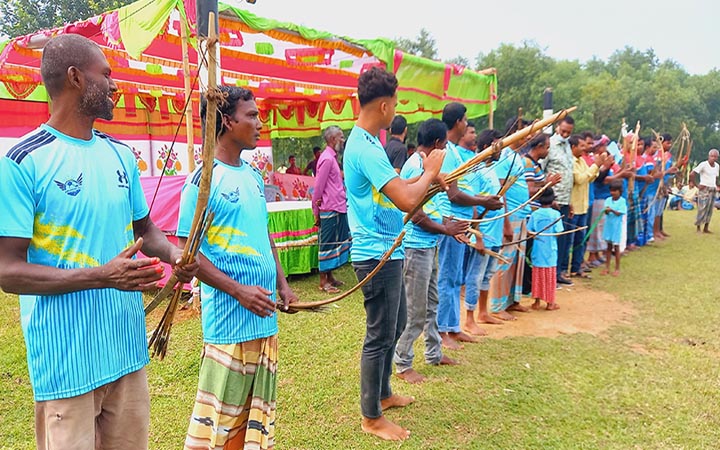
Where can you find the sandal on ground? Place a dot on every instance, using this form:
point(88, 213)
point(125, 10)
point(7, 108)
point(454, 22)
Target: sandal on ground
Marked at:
point(337, 283)
point(329, 289)
point(580, 275)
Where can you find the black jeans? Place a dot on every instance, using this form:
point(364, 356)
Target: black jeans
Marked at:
point(563, 242)
point(386, 313)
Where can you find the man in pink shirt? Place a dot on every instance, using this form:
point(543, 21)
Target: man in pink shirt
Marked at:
point(330, 209)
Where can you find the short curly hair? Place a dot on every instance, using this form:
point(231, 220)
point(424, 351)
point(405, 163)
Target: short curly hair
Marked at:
point(376, 83)
point(233, 95)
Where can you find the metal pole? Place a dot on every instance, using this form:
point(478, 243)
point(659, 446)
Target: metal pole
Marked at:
point(547, 108)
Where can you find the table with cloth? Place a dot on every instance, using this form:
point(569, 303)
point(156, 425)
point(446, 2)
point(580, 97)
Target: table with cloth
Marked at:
point(291, 223)
point(292, 227)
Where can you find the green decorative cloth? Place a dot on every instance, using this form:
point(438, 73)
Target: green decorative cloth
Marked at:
point(295, 236)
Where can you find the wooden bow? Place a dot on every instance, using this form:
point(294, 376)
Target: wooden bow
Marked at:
point(520, 207)
point(201, 220)
point(532, 235)
point(434, 189)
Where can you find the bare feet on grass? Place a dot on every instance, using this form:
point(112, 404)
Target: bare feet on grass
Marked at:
point(504, 315)
point(446, 361)
point(450, 343)
point(384, 429)
point(616, 273)
point(472, 327)
point(396, 401)
point(462, 337)
point(411, 376)
point(552, 306)
point(487, 318)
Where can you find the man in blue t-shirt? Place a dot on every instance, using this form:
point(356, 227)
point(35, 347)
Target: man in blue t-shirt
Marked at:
point(458, 202)
point(240, 274)
point(669, 171)
point(74, 216)
point(420, 272)
point(376, 196)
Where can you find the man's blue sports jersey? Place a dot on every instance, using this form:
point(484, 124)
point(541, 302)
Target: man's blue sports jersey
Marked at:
point(374, 220)
point(238, 244)
point(76, 201)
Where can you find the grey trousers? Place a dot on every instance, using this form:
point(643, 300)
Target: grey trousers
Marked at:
point(420, 275)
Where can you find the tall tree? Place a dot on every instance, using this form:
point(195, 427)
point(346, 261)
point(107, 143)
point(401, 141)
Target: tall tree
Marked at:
point(520, 79)
point(423, 45)
point(19, 17)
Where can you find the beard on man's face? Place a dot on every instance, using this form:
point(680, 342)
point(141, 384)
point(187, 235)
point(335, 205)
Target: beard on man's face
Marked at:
point(96, 102)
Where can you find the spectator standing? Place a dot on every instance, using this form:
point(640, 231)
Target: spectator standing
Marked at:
point(311, 168)
point(560, 160)
point(395, 148)
point(707, 172)
point(329, 205)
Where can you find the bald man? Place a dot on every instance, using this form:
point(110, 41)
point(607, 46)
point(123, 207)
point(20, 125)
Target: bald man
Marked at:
point(74, 217)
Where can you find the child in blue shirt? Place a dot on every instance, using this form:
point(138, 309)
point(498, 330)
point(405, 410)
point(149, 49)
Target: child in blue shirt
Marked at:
point(544, 251)
point(615, 209)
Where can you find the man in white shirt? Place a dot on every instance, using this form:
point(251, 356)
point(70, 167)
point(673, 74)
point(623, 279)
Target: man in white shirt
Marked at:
point(707, 173)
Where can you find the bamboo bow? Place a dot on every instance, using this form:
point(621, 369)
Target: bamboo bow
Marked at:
point(532, 235)
point(201, 219)
point(434, 189)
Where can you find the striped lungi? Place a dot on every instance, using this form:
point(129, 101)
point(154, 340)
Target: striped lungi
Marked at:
point(595, 241)
point(506, 285)
point(705, 202)
point(235, 403)
point(334, 240)
point(544, 282)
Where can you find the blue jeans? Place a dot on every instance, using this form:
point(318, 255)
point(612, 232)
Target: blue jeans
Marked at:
point(475, 267)
point(386, 314)
point(420, 274)
point(563, 243)
point(651, 205)
point(451, 256)
point(577, 246)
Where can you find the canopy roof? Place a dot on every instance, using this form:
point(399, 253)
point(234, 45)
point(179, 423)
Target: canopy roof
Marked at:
point(304, 79)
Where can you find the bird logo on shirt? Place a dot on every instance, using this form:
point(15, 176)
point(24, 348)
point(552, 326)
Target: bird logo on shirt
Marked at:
point(71, 187)
point(233, 196)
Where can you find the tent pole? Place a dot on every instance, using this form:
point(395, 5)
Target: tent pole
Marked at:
point(188, 98)
point(491, 114)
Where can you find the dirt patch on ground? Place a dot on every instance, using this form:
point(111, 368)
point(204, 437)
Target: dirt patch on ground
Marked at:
point(582, 310)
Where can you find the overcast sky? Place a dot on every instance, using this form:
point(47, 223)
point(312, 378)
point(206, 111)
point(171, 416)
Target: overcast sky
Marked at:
point(687, 31)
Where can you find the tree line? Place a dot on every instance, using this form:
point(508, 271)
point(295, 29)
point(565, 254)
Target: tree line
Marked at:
point(632, 84)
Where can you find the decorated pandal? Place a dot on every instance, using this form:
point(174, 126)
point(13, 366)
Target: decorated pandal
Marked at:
point(304, 80)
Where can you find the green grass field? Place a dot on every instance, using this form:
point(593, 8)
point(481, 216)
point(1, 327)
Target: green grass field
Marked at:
point(648, 384)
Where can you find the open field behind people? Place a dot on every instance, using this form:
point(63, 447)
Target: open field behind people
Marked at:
point(649, 379)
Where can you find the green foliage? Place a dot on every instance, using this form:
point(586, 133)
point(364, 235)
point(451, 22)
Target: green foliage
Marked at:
point(19, 17)
point(632, 84)
point(300, 147)
point(649, 382)
point(520, 79)
point(424, 45)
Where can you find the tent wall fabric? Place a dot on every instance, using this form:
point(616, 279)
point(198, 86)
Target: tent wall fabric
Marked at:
point(304, 79)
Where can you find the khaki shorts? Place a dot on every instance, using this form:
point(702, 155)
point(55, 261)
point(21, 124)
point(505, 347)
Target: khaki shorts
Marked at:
point(115, 416)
